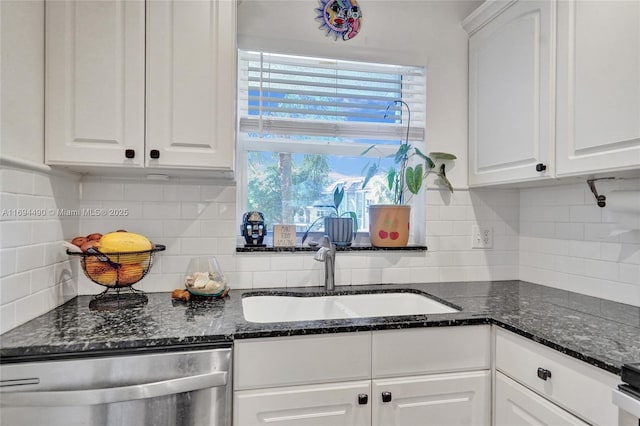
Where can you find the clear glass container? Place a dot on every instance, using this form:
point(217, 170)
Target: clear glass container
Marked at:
point(204, 277)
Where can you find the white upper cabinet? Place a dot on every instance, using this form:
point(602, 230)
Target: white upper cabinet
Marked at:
point(510, 92)
point(598, 86)
point(553, 97)
point(191, 75)
point(143, 84)
point(94, 82)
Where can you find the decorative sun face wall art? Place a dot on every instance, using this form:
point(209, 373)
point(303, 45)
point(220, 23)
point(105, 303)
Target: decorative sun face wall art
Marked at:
point(340, 18)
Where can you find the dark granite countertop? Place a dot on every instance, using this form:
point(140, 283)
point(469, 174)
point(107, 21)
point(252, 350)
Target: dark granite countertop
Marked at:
point(603, 333)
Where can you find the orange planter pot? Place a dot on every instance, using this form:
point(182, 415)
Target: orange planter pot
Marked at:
point(389, 225)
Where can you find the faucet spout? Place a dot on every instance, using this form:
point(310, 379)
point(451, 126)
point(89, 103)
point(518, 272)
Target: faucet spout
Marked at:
point(327, 254)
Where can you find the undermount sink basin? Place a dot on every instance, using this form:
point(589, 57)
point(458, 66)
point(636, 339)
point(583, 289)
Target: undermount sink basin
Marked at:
point(279, 308)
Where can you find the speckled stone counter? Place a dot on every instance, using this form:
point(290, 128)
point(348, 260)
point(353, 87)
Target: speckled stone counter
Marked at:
point(603, 333)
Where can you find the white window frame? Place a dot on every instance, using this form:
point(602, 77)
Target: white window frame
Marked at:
point(417, 133)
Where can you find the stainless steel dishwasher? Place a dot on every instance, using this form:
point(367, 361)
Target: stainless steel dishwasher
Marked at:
point(186, 388)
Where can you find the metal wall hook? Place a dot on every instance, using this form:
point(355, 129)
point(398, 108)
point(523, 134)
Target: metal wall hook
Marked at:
point(600, 199)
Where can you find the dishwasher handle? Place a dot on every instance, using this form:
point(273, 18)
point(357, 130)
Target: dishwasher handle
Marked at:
point(116, 394)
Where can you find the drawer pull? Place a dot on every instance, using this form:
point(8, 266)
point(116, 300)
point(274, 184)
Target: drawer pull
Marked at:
point(386, 396)
point(543, 373)
point(363, 398)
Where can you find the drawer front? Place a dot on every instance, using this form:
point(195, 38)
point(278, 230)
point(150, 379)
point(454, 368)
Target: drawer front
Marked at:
point(517, 405)
point(430, 350)
point(575, 385)
point(281, 361)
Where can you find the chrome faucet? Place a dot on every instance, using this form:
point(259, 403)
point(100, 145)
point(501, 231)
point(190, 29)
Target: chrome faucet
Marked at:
point(327, 254)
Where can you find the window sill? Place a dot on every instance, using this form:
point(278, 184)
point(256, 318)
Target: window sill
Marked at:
point(353, 248)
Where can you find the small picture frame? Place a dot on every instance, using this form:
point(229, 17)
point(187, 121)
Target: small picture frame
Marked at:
point(284, 235)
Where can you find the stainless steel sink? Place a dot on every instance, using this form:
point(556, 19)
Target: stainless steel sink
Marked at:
point(282, 308)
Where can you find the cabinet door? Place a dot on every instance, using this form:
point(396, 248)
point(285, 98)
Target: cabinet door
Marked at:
point(333, 404)
point(438, 399)
point(191, 80)
point(598, 127)
point(515, 405)
point(94, 82)
point(510, 95)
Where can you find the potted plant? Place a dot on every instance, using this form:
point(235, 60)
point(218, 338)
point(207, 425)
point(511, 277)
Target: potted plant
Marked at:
point(389, 223)
point(340, 227)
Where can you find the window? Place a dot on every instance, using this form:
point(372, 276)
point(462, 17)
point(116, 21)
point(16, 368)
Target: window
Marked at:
point(304, 123)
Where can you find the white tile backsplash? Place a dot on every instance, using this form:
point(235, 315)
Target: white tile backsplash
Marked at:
point(582, 254)
point(35, 273)
point(554, 236)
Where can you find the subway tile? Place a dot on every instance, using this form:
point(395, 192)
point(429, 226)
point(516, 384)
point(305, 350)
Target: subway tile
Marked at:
point(284, 263)
point(365, 276)
point(101, 191)
point(199, 246)
point(16, 181)
point(15, 233)
point(142, 192)
point(569, 231)
point(181, 193)
point(585, 214)
point(7, 262)
point(269, 279)
point(629, 273)
point(14, 287)
point(29, 257)
point(181, 228)
point(7, 317)
point(301, 278)
point(8, 204)
point(396, 275)
point(239, 279)
point(42, 185)
point(585, 249)
point(600, 232)
point(42, 278)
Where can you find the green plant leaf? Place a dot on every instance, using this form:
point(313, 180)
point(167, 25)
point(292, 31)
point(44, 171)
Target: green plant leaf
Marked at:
point(429, 162)
point(442, 156)
point(414, 178)
point(367, 150)
point(401, 152)
point(391, 178)
point(338, 195)
point(371, 172)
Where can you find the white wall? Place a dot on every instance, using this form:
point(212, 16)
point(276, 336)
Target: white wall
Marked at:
point(422, 33)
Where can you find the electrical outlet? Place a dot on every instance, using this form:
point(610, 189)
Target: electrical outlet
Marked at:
point(481, 237)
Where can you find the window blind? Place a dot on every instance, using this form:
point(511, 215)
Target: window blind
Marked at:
point(280, 96)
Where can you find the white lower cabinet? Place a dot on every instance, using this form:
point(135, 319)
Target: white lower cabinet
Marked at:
point(575, 386)
point(515, 405)
point(333, 404)
point(432, 376)
point(437, 399)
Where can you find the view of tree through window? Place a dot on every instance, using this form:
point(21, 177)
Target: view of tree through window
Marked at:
point(304, 123)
